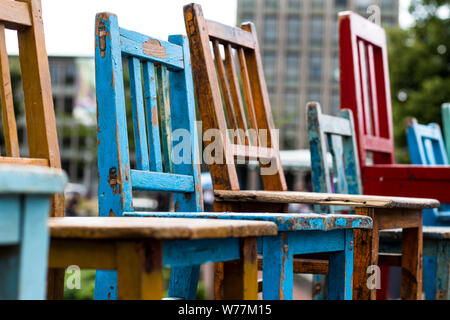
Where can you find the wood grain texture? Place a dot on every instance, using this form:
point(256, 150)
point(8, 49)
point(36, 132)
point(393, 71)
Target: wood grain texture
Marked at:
point(15, 14)
point(157, 228)
point(327, 199)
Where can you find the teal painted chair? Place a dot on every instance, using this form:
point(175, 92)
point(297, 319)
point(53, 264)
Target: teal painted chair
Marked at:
point(446, 123)
point(25, 194)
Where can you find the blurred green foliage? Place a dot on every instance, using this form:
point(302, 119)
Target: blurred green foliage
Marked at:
point(87, 285)
point(419, 62)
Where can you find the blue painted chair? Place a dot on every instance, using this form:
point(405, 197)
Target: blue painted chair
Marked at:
point(426, 146)
point(25, 193)
point(163, 114)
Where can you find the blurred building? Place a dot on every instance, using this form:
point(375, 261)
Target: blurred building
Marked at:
point(299, 46)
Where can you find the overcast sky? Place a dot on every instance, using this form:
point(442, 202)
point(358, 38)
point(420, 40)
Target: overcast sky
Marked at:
point(69, 25)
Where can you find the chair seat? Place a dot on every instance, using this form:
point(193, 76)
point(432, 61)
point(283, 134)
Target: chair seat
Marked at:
point(155, 228)
point(350, 200)
point(428, 233)
point(284, 222)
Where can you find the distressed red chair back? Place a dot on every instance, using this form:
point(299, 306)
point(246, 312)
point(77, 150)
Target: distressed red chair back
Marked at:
point(25, 17)
point(365, 87)
point(224, 58)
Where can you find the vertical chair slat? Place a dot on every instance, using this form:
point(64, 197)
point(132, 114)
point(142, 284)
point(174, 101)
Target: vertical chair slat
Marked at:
point(235, 90)
point(152, 117)
point(8, 117)
point(137, 103)
point(225, 88)
point(186, 161)
point(162, 87)
point(248, 94)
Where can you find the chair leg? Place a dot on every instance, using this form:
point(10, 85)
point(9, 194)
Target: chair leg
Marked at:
point(184, 281)
point(238, 279)
point(341, 271)
point(442, 271)
point(278, 275)
point(34, 249)
point(429, 277)
point(412, 264)
point(362, 260)
point(105, 285)
point(55, 284)
point(139, 270)
point(320, 288)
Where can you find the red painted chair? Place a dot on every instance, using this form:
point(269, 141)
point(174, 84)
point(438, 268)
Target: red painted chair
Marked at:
point(365, 89)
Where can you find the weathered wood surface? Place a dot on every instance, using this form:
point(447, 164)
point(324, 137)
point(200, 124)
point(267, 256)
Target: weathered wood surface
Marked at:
point(327, 199)
point(428, 233)
point(284, 222)
point(156, 228)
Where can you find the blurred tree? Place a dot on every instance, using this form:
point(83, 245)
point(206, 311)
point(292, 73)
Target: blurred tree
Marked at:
point(420, 68)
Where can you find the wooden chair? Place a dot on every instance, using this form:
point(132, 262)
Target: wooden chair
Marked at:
point(365, 89)
point(230, 112)
point(336, 134)
point(160, 84)
point(426, 147)
point(436, 256)
point(25, 17)
point(446, 124)
point(24, 208)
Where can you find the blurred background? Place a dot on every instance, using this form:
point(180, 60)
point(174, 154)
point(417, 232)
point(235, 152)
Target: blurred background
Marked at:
point(299, 46)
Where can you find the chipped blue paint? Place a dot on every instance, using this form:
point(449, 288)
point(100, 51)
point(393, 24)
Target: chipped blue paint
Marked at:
point(284, 221)
point(24, 238)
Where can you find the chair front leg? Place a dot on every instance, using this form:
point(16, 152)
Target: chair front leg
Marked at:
point(278, 275)
point(412, 264)
point(340, 271)
point(139, 270)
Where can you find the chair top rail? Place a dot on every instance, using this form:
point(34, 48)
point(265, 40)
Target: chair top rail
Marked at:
point(237, 37)
point(14, 14)
point(151, 49)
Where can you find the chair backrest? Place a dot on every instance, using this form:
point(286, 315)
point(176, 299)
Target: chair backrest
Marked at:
point(425, 143)
point(241, 117)
point(163, 111)
point(337, 136)
point(365, 87)
point(25, 17)
point(446, 124)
